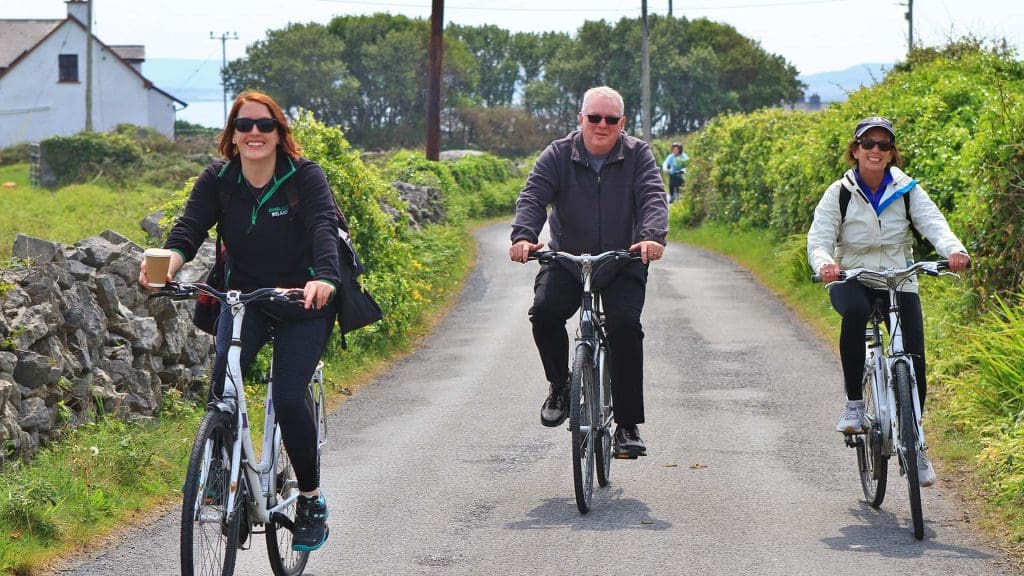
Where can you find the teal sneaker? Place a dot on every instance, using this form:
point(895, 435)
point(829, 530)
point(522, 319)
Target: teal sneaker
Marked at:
point(310, 524)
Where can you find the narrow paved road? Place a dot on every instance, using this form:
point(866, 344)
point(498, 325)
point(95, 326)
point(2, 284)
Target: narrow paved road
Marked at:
point(441, 466)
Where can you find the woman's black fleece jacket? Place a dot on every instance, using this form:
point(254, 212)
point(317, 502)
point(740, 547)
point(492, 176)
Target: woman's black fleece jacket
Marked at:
point(269, 243)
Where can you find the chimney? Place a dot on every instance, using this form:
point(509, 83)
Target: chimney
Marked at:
point(79, 10)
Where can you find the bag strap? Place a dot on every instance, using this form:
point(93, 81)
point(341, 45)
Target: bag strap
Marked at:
point(844, 204)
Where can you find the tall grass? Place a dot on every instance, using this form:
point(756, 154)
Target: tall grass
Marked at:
point(72, 213)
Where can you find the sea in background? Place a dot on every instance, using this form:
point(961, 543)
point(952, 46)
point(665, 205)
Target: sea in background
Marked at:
point(198, 83)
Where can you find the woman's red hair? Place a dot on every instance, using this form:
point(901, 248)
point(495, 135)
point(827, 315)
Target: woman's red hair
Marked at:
point(225, 142)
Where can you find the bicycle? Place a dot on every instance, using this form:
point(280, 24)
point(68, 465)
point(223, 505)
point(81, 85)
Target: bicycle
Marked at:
point(892, 408)
point(229, 493)
point(590, 389)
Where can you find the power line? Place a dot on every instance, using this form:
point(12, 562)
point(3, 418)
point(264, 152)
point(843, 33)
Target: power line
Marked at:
point(747, 6)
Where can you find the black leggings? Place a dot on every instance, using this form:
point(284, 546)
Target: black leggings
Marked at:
point(298, 346)
point(557, 295)
point(854, 302)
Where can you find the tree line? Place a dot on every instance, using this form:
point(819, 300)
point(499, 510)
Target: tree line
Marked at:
point(509, 93)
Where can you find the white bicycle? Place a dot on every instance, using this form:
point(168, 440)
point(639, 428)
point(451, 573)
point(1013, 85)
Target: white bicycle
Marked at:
point(229, 493)
point(892, 407)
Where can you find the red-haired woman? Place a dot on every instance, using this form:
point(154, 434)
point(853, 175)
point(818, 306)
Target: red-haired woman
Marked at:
point(271, 243)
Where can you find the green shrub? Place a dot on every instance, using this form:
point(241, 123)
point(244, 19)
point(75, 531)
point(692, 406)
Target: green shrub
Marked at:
point(88, 155)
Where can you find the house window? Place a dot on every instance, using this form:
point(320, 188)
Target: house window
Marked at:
point(68, 67)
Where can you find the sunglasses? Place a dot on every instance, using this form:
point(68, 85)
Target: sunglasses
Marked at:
point(264, 125)
point(596, 119)
point(883, 145)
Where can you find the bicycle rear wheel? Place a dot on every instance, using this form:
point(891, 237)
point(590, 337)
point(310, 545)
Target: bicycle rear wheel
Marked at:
point(283, 560)
point(908, 441)
point(208, 535)
point(603, 444)
point(873, 464)
point(582, 411)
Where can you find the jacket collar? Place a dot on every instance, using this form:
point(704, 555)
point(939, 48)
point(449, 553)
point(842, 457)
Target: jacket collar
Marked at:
point(581, 155)
point(283, 169)
point(901, 184)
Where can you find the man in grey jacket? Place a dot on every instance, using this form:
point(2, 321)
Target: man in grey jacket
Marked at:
point(605, 191)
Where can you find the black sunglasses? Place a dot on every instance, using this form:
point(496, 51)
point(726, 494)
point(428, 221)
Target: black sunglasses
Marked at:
point(883, 145)
point(264, 125)
point(596, 119)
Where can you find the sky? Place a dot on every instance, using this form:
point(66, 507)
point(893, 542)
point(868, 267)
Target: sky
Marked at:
point(813, 35)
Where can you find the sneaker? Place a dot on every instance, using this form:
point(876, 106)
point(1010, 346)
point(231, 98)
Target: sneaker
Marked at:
point(627, 442)
point(556, 406)
point(925, 472)
point(310, 524)
point(852, 420)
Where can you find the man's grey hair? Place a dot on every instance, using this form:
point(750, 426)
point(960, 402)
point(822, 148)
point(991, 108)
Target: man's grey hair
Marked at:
point(603, 91)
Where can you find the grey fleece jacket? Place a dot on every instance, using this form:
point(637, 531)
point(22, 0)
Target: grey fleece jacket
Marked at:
point(593, 212)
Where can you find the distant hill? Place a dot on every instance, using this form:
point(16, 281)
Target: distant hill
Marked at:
point(834, 86)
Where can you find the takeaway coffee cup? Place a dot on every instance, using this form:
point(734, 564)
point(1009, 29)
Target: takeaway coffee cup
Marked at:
point(158, 262)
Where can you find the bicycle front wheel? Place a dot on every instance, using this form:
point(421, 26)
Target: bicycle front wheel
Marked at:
point(908, 442)
point(872, 462)
point(582, 416)
point(603, 445)
point(208, 535)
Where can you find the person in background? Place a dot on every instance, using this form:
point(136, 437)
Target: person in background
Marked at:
point(675, 166)
point(876, 233)
point(271, 244)
point(605, 193)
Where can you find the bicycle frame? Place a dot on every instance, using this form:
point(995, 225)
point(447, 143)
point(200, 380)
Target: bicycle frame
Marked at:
point(591, 333)
point(883, 364)
point(258, 473)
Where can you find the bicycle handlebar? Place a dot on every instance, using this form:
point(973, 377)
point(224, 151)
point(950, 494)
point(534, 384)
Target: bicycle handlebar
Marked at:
point(548, 256)
point(186, 290)
point(930, 268)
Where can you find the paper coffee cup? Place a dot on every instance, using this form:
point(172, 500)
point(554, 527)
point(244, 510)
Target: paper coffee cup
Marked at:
point(158, 262)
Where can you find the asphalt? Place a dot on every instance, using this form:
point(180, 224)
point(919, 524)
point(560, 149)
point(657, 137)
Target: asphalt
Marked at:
point(441, 467)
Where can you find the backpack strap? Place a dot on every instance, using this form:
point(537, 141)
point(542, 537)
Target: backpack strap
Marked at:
point(844, 204)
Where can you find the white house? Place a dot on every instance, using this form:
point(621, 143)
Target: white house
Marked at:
point(43, 88)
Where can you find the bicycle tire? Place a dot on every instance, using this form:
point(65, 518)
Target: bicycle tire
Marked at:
point(908, 439)
point(581, 425)
point(207, 545)
point(603, 445)
point(283, 560)
point(872, 463)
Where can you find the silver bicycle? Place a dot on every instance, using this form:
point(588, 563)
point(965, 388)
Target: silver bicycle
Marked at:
point(590, 390)
point(229, 493)
point(892, 408)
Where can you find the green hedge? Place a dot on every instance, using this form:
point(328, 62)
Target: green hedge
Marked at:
point(958, 118)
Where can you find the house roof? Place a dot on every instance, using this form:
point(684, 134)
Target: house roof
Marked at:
point(19, 37)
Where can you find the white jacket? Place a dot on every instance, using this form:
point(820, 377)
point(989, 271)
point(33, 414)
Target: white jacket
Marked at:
point(878, 242)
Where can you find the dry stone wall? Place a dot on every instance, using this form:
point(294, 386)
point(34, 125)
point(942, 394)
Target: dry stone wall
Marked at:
point(77, 338)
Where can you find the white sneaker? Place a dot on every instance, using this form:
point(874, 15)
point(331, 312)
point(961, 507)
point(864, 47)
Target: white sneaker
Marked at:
point(852, 420)
point(925, 472)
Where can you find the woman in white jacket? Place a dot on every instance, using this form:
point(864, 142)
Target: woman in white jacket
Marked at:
point(876, 233)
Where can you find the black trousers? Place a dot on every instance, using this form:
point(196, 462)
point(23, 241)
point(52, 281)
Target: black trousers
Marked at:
point(854, 302)
point(557, 295)
point(298, 346)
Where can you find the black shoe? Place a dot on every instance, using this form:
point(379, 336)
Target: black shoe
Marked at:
point(555, 407)
point(310, 524)
point(627, 443)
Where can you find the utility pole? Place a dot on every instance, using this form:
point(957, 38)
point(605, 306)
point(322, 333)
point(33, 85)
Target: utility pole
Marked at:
point(224, 64)
point(669, 8)
point(436, 48)
point(645, 74)
point(910, 25)
point(88, 66)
